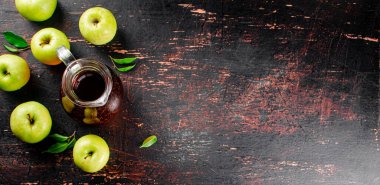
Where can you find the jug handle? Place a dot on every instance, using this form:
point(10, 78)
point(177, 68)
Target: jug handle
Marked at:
point(65, 55)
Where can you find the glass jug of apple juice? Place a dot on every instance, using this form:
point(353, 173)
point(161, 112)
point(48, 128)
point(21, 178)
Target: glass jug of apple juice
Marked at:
point(91, 92)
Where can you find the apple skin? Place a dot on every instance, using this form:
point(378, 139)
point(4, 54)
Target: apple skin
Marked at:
point(45, 43)
point(36, 10)
point(31, 122)
point(91, 153)
point(98, 25)
point(14, 72)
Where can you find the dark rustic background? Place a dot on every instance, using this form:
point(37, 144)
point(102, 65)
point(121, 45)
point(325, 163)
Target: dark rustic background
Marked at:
point(237, 91)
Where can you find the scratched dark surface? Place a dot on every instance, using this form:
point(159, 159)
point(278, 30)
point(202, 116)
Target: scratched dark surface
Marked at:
point(238, 92)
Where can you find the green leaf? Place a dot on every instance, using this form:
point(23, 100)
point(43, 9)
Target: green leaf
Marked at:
point(57, 148)
point(125, 69)
point(72, 143)
point(124, 60)
point(63, 143)
point(149, 141)
point(10, 49)
point(59, 137)
point(15, 40)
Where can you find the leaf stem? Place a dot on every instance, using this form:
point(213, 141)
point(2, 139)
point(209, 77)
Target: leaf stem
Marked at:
point(23, 49)
point(113, 63)
point(71, 136)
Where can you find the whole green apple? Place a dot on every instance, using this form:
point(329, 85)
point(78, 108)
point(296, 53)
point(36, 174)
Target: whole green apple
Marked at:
point(98, 25)
point(31, 122)
point(36, 10)
point(14, 72)
point(45, 43)
point(91, 153)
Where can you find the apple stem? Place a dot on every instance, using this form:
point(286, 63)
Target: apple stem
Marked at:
point(89, 154)
point(30, 119)
point(95, 21)
point(5, 72)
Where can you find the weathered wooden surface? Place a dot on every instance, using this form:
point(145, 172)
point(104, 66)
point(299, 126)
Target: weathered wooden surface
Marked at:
point(238, 92)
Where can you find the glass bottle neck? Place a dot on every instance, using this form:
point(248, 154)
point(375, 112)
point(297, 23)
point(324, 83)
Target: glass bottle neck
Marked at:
point(77, 67)
point(81, 66)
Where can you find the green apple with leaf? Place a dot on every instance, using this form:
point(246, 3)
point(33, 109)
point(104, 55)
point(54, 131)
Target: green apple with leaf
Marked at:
point(98, 25)
point(36, 10)
point(14, 72)
point(91, 153)
point(45, 43)
point(30, 122)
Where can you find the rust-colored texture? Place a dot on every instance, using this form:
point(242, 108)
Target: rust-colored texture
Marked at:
point(238, 92)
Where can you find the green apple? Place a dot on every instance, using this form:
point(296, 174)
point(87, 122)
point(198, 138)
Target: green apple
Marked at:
point(14, 72)
point(98, 25)
point(31, 122)
point(91, 153)
point(45, 43)
point(36, 10)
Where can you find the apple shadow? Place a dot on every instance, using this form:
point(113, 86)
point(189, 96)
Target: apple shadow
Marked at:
point(138, 129)
point(32, 91)
point(133, 107)
point(125, 41)
point(55, 20)
point(58, 69)
point(121, 41)
point(128, 120)
point(128, 44)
